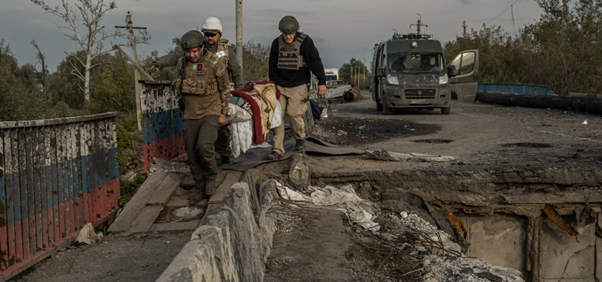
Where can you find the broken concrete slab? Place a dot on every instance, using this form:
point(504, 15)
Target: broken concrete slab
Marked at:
point(222, 249)
point(299, 173)
point(403, 157)
point(195, 262)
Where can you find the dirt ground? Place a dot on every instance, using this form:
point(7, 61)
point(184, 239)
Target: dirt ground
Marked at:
point(141, 257)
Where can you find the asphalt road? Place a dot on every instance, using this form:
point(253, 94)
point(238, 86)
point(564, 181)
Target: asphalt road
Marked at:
point(475, 134)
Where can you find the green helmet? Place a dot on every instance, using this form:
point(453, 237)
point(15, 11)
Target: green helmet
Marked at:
point(192, 39)
point(288, 25)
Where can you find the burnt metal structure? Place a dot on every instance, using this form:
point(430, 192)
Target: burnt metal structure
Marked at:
point(55, 176)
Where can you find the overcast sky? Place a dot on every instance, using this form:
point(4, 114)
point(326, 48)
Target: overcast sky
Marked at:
point(341, 29)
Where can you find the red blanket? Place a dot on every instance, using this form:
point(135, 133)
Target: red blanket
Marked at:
point(258, 134)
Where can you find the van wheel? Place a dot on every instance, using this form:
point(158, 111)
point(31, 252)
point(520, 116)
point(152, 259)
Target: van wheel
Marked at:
point(445, 111)
point(379, 106)
point(386, 109)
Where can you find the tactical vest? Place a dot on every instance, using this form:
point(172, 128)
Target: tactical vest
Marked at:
point(222, 51)
point(289, 57)
point(199, 80)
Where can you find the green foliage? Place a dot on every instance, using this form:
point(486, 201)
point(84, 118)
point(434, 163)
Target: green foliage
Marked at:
point(129, 188)
point(113, 87)
point(355, 71)
point(255, 59)
point(129, 144)
point(20, 96)
point(562, 49)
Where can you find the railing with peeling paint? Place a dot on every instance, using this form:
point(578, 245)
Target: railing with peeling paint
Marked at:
point(55, 176)
point(163, 122)
point(519, 89)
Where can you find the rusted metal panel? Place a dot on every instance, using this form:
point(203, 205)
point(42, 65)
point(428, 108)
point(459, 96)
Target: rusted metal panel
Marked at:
point(9, 184)
point(3, 211)
point(555, 217)
point(37, 183)
point(163, 121)
point(24, 195)
point(48, 229)
point(48, 172)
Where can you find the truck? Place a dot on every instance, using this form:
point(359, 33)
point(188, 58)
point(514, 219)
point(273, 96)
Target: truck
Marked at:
point(409, 72)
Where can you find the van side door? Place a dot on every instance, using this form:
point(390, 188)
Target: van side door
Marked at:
point(463, 72)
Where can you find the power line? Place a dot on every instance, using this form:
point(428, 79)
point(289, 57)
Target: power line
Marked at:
point(514, 26)
point(501, 13)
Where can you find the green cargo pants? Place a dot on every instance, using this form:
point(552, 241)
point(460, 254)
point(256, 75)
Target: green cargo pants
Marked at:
point(199, 140)
point(222, 146)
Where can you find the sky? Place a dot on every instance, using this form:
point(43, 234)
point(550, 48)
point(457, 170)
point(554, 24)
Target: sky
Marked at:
point(341, 29)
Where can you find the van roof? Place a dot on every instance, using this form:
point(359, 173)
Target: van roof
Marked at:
point(404, 46)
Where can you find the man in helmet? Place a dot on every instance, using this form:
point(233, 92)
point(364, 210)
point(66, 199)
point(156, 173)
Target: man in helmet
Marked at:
point(205, 88)
point(292, 56)
point(212, 29)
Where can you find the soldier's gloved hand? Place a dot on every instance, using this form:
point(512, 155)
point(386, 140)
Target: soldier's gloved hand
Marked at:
point(155, 65)
point(182, 104)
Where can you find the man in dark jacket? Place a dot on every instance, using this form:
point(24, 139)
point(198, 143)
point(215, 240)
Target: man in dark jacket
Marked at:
point(292, 56)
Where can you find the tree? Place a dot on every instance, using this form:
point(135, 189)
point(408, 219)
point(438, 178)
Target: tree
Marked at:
point(91, 13)
point(20, 98)
point(355, 71)
point(256, 57)
point(41, 75)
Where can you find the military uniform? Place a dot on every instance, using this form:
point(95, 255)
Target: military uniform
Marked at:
point(227, 56)
point(224, 51)
point(205, 88)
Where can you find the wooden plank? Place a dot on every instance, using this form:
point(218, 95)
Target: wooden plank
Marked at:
point(178, 202)
point(567, 197)
point(188, 181)
point(116, 192)
point(3, 211)
point(63, 182)
point(145, 219)
point(224, 187)
point(31, 199)
point(176, 226)
point(105, 196)
point(137, 203)
point(24, 193)
point(166, 189)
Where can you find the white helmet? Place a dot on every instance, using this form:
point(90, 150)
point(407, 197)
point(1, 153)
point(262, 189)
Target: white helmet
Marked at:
point(212, 23)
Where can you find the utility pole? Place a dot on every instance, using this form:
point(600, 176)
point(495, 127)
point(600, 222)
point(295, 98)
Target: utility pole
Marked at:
point(364, 72)
point(239, 31)
point(137, 88)
point(419, 24)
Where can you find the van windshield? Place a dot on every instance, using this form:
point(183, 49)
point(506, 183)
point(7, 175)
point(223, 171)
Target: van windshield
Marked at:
point(415, 62)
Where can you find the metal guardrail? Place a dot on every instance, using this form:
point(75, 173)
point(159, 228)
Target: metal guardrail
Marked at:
point(55, 176)
point(520, 89)
point(163, 122)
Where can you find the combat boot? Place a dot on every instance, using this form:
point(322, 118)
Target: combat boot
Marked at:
point(210, 187)
point(225, 160)
point(300, 145)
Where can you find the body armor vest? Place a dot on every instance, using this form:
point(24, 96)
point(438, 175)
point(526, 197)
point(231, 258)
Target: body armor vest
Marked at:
point(222, 51)
point(198, 80)
point(289, 57)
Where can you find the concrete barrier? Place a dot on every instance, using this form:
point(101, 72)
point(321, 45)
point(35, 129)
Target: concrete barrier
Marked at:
point(590, 104)
point(234, 243)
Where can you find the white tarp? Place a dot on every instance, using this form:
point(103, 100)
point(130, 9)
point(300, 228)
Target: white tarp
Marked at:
point(345, 199)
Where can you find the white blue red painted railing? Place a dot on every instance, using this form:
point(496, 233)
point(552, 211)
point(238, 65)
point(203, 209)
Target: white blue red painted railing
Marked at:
point(163, 121)
point(55, 176)
point(520, 89)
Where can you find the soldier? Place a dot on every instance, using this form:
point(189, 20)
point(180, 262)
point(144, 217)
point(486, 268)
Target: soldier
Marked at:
point(204, 86)
point(292, 56)
point(212, 29)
